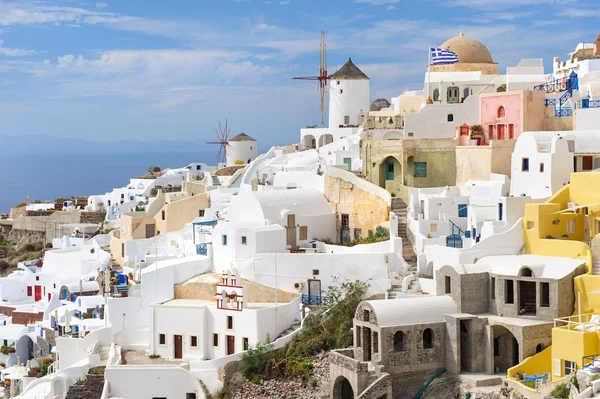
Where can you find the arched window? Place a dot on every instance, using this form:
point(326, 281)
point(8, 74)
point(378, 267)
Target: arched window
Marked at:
point(466, 92)
point(501, 112)
point(526, 272)
point(428, 338)
point(539, 348)
point(398, 341)
point(436, 95)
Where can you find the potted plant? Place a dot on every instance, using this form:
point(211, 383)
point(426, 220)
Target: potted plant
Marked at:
point(130, 276)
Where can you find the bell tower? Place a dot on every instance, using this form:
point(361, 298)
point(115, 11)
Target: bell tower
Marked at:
point(230, 294)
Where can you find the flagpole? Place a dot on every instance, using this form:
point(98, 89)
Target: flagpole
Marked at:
point(428, 75)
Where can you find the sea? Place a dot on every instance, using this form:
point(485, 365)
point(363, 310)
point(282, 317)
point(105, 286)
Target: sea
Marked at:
point(50, 176)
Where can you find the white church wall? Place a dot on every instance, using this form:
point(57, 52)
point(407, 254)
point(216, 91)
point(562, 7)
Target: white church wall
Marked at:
point(150, 381)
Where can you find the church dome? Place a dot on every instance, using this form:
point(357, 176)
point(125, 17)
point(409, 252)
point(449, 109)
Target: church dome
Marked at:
point(469, 50)
point(379, 104)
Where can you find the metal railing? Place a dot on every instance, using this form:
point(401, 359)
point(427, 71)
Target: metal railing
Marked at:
point(550, 102)
point(454, 240)
point(564, 112)
point(316, 300)
point(587, 103)
point(591, 360)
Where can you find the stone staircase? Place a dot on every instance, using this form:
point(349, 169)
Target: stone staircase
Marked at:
point(408, 253)
point(216, 181)
point(290, 330)
point(595, 265)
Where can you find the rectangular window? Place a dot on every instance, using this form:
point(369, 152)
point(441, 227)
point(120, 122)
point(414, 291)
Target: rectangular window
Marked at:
point(244, 240)
point(358, 343)
point(304, 232)
point(198, 167)
point(541, 167)
point(493, 288)
point(420, 169)
point(450, 117)
point(28, 291)
point(345, 220)
point(346, 120)
point(571, 226)
point(194, 341)
point(365, 315)
point(545, 292)
point(525, 165)
point(510, 292)
point(122, 196)
point(224, 238)
point(245, 344)
point(315, 272)
point(433, 228)
point(162, 339)
point(570, 367)
point(530, 225)
point(201, 213)
point(448, 284)
point(462, 210)
point(357, 234)
point(375, 342)
point(190, 395)
point(230, 322)
point(216, 340)
point(163, 213)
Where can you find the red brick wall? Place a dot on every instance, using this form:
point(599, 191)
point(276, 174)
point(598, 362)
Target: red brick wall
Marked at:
point(24, 317)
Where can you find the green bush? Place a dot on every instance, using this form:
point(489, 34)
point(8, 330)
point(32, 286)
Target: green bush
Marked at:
point(331, 330)
point(380, 234)
point(254, 360)
point(560, 391)
point(29, 247)
point(4, 264)
point(154, 356)
point(97, 370)
point(595, 377)
point(153, 192)
point(314, 383)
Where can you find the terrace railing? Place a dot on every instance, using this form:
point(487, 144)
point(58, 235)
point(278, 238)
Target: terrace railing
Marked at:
point(316, 300)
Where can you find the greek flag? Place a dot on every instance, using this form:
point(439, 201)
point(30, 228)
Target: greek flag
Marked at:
point(442, 56)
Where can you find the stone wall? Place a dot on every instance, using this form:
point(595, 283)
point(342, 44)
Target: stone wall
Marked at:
point(7, 310)
point(75, 392)
point(92, 217)
point(229, 170)
point(25, 317)
point(50, 336)
point(365, 210)
point(93, 386)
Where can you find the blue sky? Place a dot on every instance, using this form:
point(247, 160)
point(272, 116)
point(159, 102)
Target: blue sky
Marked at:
point(168, 70)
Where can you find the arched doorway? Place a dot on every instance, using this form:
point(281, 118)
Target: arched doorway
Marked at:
point(390, 169)
point(505, 350)
point(342, 389)
point(24, 349)
point(309, 142)
point(325, 139)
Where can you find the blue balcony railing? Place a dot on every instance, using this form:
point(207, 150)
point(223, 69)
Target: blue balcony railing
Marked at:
point(561, 113)
point(316, 300)
point(201, 249)
point(587, 103)
point(550, 102)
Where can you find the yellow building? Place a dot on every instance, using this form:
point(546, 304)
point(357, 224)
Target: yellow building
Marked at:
point(568, 225)
point(169, 212)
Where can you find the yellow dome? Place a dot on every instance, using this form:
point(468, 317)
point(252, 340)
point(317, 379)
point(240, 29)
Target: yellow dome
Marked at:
point(469, 50)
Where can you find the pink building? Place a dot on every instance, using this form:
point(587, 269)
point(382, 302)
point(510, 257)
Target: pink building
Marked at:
point(504, 116)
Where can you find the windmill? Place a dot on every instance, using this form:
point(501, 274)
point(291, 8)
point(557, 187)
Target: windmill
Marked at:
point(222, 136)
point(322, 78)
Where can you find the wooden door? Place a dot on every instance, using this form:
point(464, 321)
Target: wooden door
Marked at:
point(314, 287)
point(588, 162)
point(501, 131)
point(291, 230)
point(230, 344)
point(150, 230)
point(38, 292)
point(178, 346)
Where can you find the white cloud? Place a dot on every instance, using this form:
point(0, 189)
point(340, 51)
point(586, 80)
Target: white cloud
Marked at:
point(390, 7)
point(284, 2)
point(100, 6)
point(14, 52)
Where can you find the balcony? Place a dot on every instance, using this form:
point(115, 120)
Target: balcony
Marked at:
point(588, 322)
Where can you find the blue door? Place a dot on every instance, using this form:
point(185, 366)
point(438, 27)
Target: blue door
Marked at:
point(389, 170)
point(500, 206)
